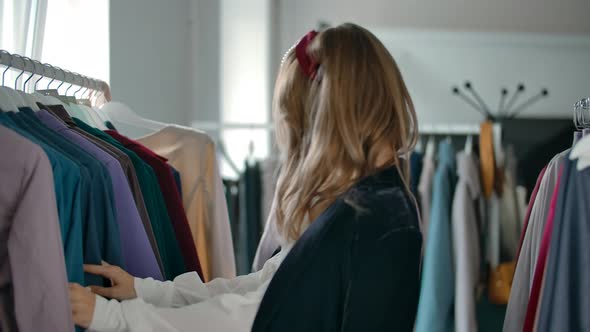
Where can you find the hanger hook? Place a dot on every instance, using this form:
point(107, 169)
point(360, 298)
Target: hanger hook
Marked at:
point(85, 82)
point(42, 74)
point(53, 74)
point(92, 84)
point(99, 91)
point(81, 85)
point(22, 72)
point(71, 84)
point(32, 73)
point(63, 77)
point(8, 67)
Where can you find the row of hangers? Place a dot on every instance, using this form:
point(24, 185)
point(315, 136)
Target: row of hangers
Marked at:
point(11, 99)
point(85, 102)
point(78, 103)
point(581, 148)
point(431, 145)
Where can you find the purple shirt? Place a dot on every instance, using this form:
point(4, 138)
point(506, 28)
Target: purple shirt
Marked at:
point(139, 257)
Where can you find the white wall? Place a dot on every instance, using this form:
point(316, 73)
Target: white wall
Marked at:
point(432, 62)
point(149, 57)
point(204, 60)
point(521, 16)
point(492, 43)
point(189, 55)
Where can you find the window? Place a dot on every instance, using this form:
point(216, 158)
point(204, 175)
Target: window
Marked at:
point(70, 34)
point(76, 37)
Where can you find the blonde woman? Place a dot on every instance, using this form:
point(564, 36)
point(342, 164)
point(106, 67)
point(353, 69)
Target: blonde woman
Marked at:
point(351, 254)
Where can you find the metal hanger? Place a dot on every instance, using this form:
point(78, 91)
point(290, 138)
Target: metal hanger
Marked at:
point(29, 100)
point(7, 101)
point(17, 97)
point(581, 150)
point(40, 78)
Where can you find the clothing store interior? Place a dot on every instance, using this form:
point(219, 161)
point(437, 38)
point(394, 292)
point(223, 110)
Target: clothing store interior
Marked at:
point(156, 176)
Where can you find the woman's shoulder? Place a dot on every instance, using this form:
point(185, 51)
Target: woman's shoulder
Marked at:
point(383, 201)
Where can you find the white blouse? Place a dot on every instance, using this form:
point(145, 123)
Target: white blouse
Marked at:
point(188, 304)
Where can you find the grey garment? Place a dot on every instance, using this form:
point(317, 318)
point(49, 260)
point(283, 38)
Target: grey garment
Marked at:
point(425, 192)
point(33, 283)
point(127, 166)
point(510, 216)
point(269, 168)
point(270, 241)
point(465, 227)
point(565, 304)
point(527, 260)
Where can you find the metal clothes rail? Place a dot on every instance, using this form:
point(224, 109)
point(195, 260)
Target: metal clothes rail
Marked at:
point(35, 67)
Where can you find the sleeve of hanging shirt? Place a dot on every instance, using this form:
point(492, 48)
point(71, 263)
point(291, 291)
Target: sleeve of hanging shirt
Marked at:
point(187, 304)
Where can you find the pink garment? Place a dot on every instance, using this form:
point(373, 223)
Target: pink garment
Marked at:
point(33, 283)
point(541, 261)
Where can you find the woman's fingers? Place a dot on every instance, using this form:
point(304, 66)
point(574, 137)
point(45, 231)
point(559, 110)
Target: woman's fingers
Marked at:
point(104, 291)
point(107, 271)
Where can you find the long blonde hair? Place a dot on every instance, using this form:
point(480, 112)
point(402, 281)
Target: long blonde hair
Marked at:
point(332, 129)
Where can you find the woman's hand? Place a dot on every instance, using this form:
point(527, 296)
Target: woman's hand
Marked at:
point(82, 301)
point(123, 284)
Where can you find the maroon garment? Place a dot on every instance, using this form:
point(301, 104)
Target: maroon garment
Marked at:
point(172, 198)
point(534, 298)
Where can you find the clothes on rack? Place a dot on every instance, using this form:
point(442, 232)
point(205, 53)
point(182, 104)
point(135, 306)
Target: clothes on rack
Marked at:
point(110, 199)
point(435, 310)
point(552, 272)
point(528, 252)
point(269, 168)
point(192, 153)
point(138, 254)
point(60, 112)
point(101, 238)
point(425, 192)
point(416, 159)
point(169, 250)
point(250, 228)
point(171, 198)
point(471, 238)
point(245, 202)
point(466, 229)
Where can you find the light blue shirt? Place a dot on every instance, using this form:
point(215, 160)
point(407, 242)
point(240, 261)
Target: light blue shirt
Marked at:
point(436, 310)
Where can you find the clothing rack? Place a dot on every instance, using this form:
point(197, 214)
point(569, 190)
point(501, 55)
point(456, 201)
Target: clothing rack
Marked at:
point(35, 67)
point(582, 113)
point(449, 129)
point(210, 125)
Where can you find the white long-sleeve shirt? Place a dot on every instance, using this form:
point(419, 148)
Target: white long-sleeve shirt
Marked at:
point(188, 304)
point(465, 219)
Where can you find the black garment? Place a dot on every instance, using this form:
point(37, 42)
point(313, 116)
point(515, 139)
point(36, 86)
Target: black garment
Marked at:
point(177, 182)
point(354, 269)
point(415, 172)
point(110, 125)
point(249, 228)
point(232, 198)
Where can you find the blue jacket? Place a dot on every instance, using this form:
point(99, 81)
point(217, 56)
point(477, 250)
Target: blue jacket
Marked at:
point(356, 268)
